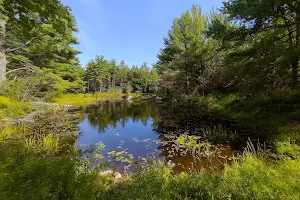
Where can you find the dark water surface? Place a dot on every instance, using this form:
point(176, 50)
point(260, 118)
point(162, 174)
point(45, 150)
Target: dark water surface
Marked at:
point(127, 133)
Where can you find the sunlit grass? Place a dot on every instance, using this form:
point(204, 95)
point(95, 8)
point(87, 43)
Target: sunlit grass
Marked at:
point(48, 143)
point(10, 109)
point(13, 131)
point(288, 148)
point(254, 179)
point(289, 133)
point(51, 142)
point(87, 99)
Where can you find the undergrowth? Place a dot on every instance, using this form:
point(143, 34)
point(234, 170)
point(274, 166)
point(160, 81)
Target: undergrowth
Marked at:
point(10, 109)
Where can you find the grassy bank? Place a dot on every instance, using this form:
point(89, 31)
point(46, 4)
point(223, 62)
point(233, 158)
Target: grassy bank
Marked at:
point(87, 99)
point(11, 109)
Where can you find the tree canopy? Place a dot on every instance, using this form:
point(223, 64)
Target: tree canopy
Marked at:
point(106, 75)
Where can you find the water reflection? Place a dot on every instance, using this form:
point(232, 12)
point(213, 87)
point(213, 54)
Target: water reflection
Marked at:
point(135, 131)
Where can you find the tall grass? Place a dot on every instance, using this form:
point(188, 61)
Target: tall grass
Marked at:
point(13, 131)
point(10, 109)
point(48, 143)
point(51, 142)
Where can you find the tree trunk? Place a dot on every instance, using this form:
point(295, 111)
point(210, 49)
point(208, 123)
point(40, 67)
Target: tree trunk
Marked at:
point(3, 61)
point(295, 64)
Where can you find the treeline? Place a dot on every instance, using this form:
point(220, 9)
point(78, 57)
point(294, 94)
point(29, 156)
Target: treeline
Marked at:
point(103, 75)
point(247, 46)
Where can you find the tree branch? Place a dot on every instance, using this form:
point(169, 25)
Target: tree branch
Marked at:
point(29, 66)
point(8, 50)
point(17, 70)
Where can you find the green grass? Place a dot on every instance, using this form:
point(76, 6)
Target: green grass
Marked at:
point(11, 109)
point(87, 99)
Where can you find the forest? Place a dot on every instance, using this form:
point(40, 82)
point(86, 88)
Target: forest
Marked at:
point(228, 77)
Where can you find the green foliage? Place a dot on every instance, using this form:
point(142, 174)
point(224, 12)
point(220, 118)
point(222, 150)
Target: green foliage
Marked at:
point(190, 63)
point(265, 41)
point(288, 148)
point(13, 131)
point(38, 46)
point(242, 48)
point(103, 76)
point(250, 47)
point(42, 85)
point(10, 109)
point(289, 132)
point(153, 183)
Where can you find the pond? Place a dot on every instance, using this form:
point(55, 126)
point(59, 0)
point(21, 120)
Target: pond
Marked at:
point(123, 134)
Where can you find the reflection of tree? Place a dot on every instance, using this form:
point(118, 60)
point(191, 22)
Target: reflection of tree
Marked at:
point(224, 134)
point(111, 113)
point(194, 120)
point(169, 123)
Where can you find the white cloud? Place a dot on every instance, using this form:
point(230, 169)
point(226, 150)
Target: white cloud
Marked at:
point(84, 39)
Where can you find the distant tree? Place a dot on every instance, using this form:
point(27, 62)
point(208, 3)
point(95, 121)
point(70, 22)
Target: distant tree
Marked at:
point(103, 75)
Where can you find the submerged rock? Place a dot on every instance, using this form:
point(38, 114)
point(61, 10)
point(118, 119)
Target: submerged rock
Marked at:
point(158, 99)
point(127, 98)
point(116, 175)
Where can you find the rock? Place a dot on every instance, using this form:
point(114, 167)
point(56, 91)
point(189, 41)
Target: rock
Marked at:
point(158, 99)
point(116, 175)
point(128, 98)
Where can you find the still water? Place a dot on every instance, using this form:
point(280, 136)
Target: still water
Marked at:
point(123, 134)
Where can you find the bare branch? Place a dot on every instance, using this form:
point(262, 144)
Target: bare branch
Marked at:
point(20, 47)
point(22, 68)
point(11, 71)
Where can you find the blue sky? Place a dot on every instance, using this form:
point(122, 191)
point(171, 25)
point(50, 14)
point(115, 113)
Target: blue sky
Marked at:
point(131, 30)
